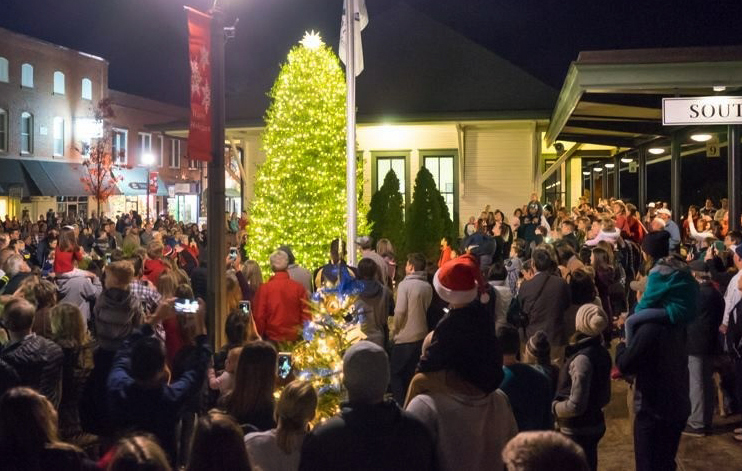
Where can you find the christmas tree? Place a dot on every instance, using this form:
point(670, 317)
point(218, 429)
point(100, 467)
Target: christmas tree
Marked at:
point(386, 215)
point(300, 188)
point(428, 218)
point(335, 326)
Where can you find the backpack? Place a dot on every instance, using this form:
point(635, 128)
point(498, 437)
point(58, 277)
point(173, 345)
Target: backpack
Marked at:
point(519, 317)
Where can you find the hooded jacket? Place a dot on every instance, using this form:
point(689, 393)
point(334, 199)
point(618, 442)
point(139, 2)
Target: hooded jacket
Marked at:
point(376, 304)
point(671, 286)
point(365, 437)
point(116, 313)
point(78, 289)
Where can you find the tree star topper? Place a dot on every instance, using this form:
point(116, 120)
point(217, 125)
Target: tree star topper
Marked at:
point(311, 40)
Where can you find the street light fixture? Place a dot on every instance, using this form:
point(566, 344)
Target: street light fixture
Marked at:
point(148, 160)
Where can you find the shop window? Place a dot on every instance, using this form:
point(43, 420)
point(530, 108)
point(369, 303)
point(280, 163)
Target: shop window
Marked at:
point(397, 162)
point(145, 145)
point(119, 146)
point(175, 149)
point(27, 133)
point(58, 83)
point(3, 130)
point(87, 89)
point(27, 75)
point(58, 136)
point(443, 169)
point(3, 70)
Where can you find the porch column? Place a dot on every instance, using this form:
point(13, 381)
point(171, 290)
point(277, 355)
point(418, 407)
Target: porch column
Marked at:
point(617, 176)
point(675, 177)
point(734, 175)
point(642, 176)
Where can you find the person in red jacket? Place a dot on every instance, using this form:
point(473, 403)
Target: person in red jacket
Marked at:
point(280, 304)
point(154, 266)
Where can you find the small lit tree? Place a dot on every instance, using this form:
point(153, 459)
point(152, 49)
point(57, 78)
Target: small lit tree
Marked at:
point(428, 218)
point(99, 180)
point(386, 216)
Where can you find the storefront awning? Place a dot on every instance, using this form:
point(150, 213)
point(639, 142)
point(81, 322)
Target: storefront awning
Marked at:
point(134, 182)
point(14, 181)
point(56, 178)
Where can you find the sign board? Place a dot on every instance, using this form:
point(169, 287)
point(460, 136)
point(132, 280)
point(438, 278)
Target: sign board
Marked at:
point(153, 182)
point(171, 191)
point(712, 148)
point(182, 188)
point(702, 110)
point(633, 167)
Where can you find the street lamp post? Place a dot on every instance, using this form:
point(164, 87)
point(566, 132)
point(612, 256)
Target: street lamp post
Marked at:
point(148, 159)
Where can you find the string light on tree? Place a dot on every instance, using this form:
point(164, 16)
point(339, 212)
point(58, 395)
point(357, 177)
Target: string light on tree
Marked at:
point(300, 188)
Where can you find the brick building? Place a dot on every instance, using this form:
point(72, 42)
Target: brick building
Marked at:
point(47, 96)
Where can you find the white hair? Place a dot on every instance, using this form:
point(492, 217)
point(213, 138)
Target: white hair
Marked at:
point(14, 265)
point(279, 261)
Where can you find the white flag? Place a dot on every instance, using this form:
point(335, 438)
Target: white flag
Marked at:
point(361, 17)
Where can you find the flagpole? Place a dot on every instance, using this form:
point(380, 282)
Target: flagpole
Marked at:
point(350, 78)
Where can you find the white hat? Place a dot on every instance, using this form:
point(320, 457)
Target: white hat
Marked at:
point(664, 211)
point(651, 205)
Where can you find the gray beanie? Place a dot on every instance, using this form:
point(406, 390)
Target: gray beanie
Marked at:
point(591, 320)
point(365, 372)
point(289, 252)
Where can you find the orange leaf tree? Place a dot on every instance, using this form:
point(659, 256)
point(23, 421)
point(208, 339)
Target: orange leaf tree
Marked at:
point(99, 180)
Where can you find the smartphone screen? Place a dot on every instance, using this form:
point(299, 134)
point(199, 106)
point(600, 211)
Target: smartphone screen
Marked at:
point(284, 365)
point(233, 253)
point(185, 306)
point(245, 308)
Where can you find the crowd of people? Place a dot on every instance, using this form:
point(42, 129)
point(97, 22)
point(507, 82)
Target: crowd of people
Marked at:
point(498, 355)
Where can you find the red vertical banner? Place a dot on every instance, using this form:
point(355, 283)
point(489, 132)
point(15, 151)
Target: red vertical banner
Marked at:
point(199, 47)
point(152, 182)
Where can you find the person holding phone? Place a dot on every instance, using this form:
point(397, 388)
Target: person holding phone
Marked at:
point(138, 391)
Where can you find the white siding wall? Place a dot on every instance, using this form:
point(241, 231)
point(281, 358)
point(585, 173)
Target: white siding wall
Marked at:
point(252, 157)
point(498, 168)
point(411, 138)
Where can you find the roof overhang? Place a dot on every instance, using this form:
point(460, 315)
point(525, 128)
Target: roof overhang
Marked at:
point(614, 97)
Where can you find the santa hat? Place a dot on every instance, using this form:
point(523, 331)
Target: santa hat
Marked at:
point(459, 280)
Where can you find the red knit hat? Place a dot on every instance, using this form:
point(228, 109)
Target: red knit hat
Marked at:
point(459, 280)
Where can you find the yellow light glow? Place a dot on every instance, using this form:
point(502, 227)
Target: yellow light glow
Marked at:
point(311, 40)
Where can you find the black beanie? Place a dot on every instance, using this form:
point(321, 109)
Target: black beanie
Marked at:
point(657, 244)
point(538, 345)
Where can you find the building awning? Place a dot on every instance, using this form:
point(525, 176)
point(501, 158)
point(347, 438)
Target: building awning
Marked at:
point(56, 178)
point(14, 181)
point(615, 97)
point(134, 182)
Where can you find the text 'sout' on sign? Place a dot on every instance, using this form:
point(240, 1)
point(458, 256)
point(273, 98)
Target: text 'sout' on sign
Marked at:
point(702, 110)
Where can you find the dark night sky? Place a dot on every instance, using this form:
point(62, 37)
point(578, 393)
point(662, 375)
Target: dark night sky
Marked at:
point(145, 40)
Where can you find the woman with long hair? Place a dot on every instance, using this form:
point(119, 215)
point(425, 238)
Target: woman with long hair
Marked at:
point(601, 262)
point(253, 275)
point(218, 445)
point(68, 330)
point(138, 453)
point(67, 252)
point(28, 435)
point(279, 449)
point(251, 402)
